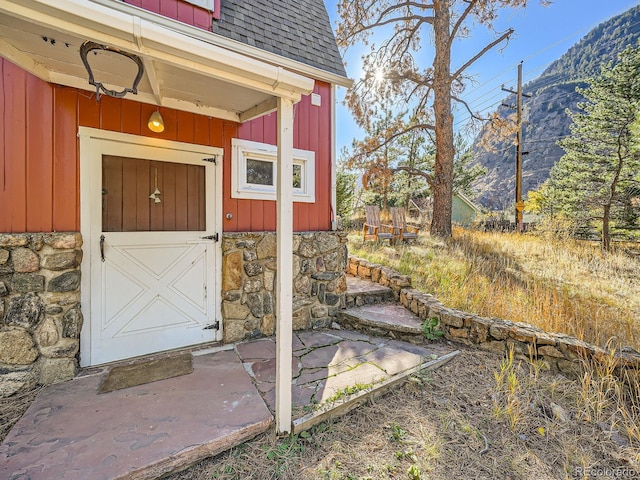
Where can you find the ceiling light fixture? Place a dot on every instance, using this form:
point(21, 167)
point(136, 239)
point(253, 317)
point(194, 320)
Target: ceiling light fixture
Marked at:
point(156, 122)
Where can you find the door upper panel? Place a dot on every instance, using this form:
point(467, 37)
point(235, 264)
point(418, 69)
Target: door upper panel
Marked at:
point(141, 195)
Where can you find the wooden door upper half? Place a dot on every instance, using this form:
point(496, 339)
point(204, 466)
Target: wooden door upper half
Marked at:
point(140, 195)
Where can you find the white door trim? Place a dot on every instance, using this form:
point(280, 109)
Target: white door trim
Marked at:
point(93, 144)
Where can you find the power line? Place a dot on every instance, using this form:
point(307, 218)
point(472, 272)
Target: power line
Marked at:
point(468, 116)
point(534, 54)
point(547, 139)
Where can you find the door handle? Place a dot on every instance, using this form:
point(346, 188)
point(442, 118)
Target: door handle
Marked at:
point(102, 247)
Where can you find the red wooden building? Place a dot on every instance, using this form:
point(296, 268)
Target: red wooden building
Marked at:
point(137, 232)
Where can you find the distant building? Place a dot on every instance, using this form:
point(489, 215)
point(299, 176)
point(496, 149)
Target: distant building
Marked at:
point(463, 210)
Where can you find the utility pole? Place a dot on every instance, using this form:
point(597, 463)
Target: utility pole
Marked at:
point(519, 153)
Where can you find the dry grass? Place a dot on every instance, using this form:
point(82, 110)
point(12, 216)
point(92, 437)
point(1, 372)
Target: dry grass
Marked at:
point(452, 424)
point(559, 285)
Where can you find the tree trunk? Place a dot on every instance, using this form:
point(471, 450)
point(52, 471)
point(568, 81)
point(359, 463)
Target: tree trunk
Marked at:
point(443, 172)
point(606, 215)
point(606, 236)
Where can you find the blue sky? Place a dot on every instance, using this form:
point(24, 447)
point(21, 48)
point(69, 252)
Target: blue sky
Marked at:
point(542, 34)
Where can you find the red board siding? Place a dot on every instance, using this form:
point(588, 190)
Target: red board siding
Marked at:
point(179, 10)
point(39, 152)
point(66, 197)
point(312, 131)
point(39, 149)
point(14, 147)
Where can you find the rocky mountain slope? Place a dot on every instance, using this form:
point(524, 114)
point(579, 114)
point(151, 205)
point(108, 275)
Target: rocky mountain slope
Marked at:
point(544, 113)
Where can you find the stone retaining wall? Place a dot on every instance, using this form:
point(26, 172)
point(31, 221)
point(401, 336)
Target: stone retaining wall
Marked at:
point(40, 317)
point(557, 351)
point(248, 284)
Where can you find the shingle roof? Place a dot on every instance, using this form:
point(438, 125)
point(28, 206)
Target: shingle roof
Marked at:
point(296, 29)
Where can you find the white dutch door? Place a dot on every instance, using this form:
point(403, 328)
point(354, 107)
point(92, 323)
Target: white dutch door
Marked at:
point(152, 251)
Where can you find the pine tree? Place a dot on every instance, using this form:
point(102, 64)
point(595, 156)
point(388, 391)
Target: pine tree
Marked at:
point(594, 181)
point(395, 69)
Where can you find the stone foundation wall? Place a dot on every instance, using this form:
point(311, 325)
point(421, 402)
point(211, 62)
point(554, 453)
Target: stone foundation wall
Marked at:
point(248, 285)
point(557, 351)
point(40, 317)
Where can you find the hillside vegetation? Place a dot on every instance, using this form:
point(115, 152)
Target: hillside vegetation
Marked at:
point(544, 112)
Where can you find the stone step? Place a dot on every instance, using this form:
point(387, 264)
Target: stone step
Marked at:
point(363, 292)
point(391, 320)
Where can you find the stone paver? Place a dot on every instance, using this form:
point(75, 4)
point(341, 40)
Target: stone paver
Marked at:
point(313, 375)
point(366, 374)
point(262, 349)
point(424, 350)
point(352, 335)
point(390, 317)
point(70, 432)
point(394, 361)
point(334, 360)
point(265, 370)
point(344, 352)
point(356, 285)
point(317, 339)
point(297, 344)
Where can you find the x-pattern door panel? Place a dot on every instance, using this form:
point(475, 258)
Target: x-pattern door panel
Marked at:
point(154, 293)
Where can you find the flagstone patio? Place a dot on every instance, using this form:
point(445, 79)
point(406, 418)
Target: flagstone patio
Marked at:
point(73, 432)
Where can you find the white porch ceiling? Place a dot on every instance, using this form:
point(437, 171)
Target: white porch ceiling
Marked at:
point(182, 72)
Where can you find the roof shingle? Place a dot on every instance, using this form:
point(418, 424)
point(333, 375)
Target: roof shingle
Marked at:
point(296, 29)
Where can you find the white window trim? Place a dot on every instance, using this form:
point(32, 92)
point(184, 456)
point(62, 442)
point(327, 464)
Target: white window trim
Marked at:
point(206, 4)
point(241, 150)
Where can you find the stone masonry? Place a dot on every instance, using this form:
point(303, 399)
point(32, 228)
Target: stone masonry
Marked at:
point(318, 261)
point(40, 317)
point(555, 351)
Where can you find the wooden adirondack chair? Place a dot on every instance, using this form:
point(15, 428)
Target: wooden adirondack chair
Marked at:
point(373, 229)
point(401, 230)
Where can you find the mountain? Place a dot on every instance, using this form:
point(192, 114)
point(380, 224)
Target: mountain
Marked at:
point(544, 113)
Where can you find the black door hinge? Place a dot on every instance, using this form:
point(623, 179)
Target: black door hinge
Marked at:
point(211, 160)
point(213, 326)
point(213, 237)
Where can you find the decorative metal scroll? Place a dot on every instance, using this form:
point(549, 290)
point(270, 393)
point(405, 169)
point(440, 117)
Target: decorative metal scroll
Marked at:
point(88, 47)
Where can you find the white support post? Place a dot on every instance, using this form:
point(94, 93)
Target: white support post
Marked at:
point(284, 287)
point(334, 162)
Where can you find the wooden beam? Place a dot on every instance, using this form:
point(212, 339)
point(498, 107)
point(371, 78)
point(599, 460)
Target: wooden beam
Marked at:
point(83, 84)
point(150, 70)
point(284, 287)
point(263, 108)
point(23, 60)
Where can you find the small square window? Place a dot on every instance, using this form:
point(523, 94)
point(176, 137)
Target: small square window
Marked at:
point(254, 172)
point(260, 172)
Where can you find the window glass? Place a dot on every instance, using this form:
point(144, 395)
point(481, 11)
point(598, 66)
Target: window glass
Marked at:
point(260, 172)
point(297, 175)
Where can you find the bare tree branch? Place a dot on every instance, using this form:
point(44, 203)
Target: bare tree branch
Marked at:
point(458, 24)
point(414, 171)
point(466, 105)
point(381, 20)
point(501, 38)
